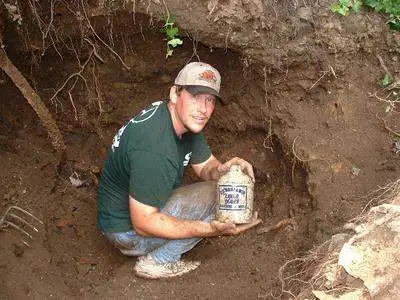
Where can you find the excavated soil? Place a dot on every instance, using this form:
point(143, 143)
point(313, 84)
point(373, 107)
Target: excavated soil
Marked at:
point(312, 125)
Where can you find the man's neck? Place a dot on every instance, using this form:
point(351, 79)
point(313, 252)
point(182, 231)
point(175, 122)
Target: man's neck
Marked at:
point(179, 128)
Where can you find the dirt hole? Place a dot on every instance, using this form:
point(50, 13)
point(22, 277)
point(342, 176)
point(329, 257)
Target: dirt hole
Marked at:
point(69, 257)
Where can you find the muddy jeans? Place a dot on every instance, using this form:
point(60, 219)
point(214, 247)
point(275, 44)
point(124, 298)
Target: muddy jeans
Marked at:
point(192, 202)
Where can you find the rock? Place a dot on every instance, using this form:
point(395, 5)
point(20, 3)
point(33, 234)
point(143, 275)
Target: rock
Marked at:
point(355, 171)
point(62, 223)
point(338, 240)
point(372, 254)
point(76, 181)
point(353, 295)
point(305, 14)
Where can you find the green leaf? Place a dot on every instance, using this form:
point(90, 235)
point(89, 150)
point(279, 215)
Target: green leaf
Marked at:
point(335, 7)
point(167, 24)
point(345, 3)
point(175, 42)
point(343, 10)
point(169, 53)
point(386, 80)
point(172, 32)
point(356, 6)
point(394, 22)
point(394, 25)
point(340, 8)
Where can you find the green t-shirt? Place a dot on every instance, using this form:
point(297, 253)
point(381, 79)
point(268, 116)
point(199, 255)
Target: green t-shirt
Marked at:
point(146, 161)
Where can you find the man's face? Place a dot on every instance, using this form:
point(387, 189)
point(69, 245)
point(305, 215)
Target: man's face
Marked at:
point(193, 112)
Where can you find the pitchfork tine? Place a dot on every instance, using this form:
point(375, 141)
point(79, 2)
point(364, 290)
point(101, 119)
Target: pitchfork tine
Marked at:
point(25, 243)
point(18, 228)
point(24, 211)
point(23, 221)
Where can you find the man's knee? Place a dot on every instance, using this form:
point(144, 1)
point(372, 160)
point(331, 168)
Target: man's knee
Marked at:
point(120, 240)
point(205, 192)
point(193, 201)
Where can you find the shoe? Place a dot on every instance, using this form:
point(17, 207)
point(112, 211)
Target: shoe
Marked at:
point(131, 252)
point(147, 267)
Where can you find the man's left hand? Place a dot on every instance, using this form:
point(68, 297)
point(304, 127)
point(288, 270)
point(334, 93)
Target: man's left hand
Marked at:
point(244, 166)
point(230, 228)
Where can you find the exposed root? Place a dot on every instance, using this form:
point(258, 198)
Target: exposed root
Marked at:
point(134, 11)
point(95, 53)
point(73, 105)
point(227, 38)
point(320, 268)
point(195, 43)
point(303, 160)
point(389, 99)
point(383, 65)
point(44, 16)
point(389, 129)
point(268, 140)
point(330, 70)
point(34, 100)
point(141, 32)
point(385, 194)
point(279, 225)
point(79, 75)
point(97, 90)
point(100, 39)
point(148, 12)
point(305, 273)
point(211, 6)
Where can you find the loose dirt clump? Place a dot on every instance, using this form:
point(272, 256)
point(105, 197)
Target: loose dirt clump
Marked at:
point(358, 263)
point(301, 102)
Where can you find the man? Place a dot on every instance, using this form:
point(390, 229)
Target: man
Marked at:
point(138, 211)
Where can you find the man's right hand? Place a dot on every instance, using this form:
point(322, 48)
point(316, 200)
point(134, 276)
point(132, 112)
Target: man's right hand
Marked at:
point(230, 228)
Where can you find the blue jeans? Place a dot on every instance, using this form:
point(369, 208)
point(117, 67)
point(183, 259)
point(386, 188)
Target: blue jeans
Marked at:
point(192, 202)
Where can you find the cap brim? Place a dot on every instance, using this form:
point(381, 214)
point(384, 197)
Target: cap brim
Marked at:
point(199, 89)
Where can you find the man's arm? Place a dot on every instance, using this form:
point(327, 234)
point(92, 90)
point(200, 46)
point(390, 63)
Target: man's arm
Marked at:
point(208, 170)
point(149, 221)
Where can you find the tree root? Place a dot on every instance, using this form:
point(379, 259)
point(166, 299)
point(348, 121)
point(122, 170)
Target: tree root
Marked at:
point(386, 194)
point(34, 100)
point(296, 157)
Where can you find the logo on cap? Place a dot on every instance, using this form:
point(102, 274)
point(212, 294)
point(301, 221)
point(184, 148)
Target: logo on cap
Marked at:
point(208, 76)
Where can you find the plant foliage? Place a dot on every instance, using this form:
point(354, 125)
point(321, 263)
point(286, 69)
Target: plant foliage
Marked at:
point(386, 80)
point(171, 33)
point(344, 7)
point(390, 7)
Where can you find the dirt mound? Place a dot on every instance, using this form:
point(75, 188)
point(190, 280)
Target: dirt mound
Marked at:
point(358, 263)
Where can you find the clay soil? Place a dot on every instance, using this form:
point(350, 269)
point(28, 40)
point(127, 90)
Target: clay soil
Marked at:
point(329, 146)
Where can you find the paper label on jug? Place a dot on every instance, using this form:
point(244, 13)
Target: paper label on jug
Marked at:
point(232, 197)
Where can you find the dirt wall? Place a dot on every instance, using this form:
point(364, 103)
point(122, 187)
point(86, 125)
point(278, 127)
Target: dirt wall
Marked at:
point(315, 76)
point(302, 103)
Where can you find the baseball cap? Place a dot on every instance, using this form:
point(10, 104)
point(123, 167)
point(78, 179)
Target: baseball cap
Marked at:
point(199, 78)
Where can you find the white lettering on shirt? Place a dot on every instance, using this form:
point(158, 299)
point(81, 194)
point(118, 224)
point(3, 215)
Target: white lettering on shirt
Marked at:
point(144, 115)
point(187, 159)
